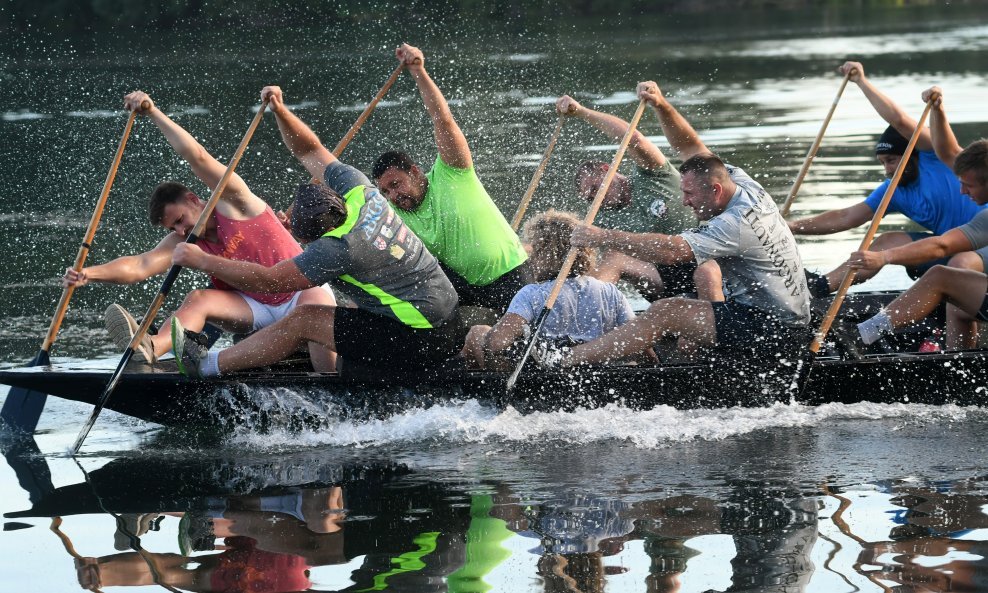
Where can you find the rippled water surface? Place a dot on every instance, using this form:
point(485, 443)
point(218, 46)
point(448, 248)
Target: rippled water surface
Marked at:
point(462, 497)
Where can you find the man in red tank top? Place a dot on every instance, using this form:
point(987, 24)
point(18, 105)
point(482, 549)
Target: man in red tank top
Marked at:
point(242, 227)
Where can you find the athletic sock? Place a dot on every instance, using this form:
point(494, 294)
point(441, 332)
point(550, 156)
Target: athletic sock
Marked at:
point(873, 329)
point(210, 366)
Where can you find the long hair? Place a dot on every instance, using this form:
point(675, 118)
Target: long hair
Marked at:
point(549, 234)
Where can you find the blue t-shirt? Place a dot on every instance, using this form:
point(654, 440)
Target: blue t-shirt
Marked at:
point(934, 201)
point(585, 309)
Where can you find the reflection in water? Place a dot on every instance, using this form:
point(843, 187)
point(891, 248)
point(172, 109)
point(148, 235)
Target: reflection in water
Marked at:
point(279, 524)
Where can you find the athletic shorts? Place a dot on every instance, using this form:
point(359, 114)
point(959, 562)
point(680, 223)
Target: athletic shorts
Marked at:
point(677, 279)
point(264, 315)
point(366, 338)
point(740, 327)
point(916, 271)
point(497, 295)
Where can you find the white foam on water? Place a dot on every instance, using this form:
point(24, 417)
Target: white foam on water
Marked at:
point(471, 422)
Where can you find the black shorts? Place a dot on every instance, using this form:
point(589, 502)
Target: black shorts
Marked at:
point(365, 338)
point(497, 295)
point(740, 327)
point(677, 279)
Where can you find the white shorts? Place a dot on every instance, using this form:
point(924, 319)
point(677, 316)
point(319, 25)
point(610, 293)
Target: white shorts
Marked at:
point(265, 315)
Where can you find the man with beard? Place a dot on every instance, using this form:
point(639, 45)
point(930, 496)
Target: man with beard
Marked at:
point(928, 194)
point(449, 209)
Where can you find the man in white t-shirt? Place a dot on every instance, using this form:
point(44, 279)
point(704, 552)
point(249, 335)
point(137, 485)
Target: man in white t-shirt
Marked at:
point(765, 307)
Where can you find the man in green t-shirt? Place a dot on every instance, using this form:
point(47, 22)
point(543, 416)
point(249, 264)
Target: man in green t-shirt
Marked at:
point(646, 201)
point(449, 209)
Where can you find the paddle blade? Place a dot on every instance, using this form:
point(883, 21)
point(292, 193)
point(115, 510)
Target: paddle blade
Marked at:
point(801, 377)
point(110, 386)
point(536, 330)
point(22, 408)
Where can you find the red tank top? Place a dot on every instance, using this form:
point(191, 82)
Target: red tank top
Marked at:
point(261, 240)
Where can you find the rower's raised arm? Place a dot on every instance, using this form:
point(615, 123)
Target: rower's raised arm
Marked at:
point(886, 108)
point(681, 135)
point(204, 165)
point(645, 154)
point(944, 142)
point(298, 137)
point(452, 144)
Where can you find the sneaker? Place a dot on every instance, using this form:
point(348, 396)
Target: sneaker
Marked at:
point(818, 284)
point(122, 326)
point(548, 355)
point(846, 338)
point(189, 348)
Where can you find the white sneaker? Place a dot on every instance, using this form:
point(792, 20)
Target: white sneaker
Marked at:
point(122, 326)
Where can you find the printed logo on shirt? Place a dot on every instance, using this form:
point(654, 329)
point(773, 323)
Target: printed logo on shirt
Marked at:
point(397, 252)
point(373, 211)
point(658, 208)
point(232, 244)
point(390, 218)
point(402, 233)
point(380, 243)
point(386, 231)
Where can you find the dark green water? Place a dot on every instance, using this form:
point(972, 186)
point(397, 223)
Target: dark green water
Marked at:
point(628, 501)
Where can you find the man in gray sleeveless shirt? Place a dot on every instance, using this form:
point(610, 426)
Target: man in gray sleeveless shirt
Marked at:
point(966, 289)
point(406, 306)
point(764, 308)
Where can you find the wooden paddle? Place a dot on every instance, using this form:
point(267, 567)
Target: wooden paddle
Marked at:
point(571, 256)
point(341, 145)
point(367, 111)
point(527, 198)
point(22, 408)
point(805, 363)
point(811, 154)
point(193, 236)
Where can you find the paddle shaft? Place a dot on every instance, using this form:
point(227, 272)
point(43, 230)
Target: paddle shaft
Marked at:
point(804, 366)
point(80, 258)
point(341, 146)
point(537, 177)
point(571, 256)
point(166, 285)
point(811, 153)
point(869, 236)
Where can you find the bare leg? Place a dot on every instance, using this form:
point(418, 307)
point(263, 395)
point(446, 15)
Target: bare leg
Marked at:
point(306, 323)
point(965, 289)
point(709, 282)
point(881, 243)
point(962, 329)
point(224, 308)
point(323, 359)
point(688, 318)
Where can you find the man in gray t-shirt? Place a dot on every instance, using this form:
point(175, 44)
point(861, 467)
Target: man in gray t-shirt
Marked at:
point(765, 309)
point(406, 307)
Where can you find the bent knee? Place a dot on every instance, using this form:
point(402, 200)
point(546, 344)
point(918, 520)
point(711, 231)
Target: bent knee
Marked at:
point(968, 260)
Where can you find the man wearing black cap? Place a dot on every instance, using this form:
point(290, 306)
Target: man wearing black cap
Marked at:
point(406, 305)
point(928, 193)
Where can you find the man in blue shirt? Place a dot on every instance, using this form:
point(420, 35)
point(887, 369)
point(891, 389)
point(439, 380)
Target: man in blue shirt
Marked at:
point(929, 194)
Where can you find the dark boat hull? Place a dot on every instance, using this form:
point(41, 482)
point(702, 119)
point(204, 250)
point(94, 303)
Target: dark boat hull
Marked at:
point(300, 399)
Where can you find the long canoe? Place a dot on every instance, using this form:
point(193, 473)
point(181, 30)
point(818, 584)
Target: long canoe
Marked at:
point(296, 397)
